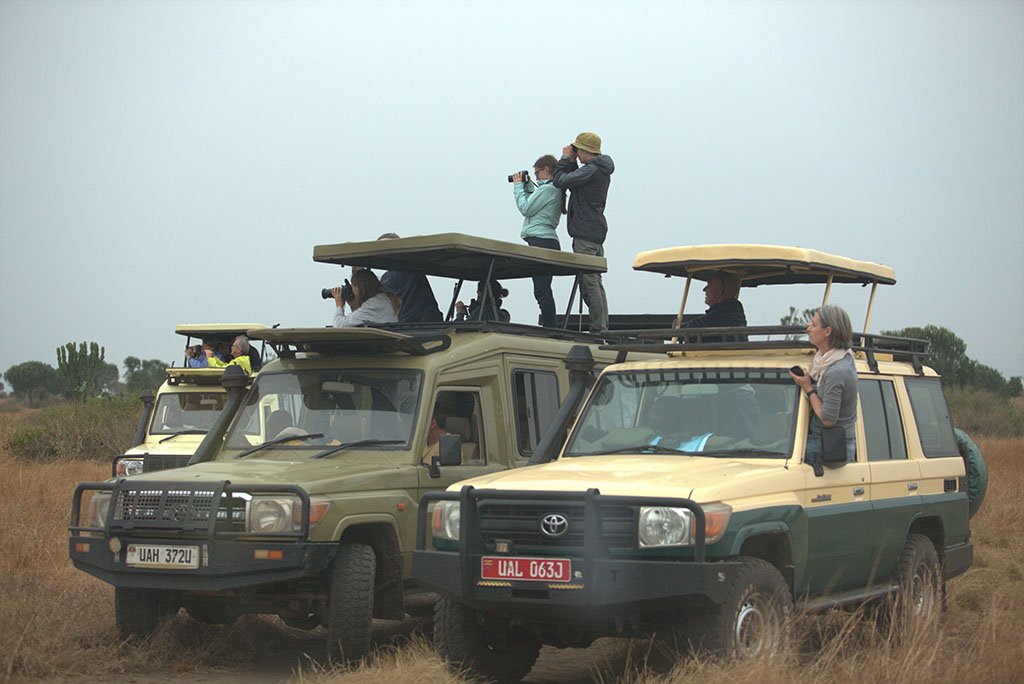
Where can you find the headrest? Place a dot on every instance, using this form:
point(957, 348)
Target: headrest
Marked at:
point(457, 425)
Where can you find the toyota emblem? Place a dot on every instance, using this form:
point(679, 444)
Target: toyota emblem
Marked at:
point(554, 525)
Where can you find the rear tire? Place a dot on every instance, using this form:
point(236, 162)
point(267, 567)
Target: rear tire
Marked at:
point(754, 618)
point(922, 588)
point(350, 605)
point(481, 646)
point(138, 612)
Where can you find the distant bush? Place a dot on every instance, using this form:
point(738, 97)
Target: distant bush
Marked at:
point(979, 412)
point(96, 429)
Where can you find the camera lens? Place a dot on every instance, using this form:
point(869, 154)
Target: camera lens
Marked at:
point(327, 292)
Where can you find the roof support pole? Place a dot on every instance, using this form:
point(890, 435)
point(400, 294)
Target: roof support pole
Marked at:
point(455, 297)
point(682, 306)
point(568, 308)
point(828, 289)
point(871, 304)
point(487, 296)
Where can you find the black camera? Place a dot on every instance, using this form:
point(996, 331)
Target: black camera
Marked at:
point(347, 295)
point(526, 177)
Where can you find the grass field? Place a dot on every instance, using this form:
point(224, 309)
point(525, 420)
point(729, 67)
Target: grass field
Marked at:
point(57, 622)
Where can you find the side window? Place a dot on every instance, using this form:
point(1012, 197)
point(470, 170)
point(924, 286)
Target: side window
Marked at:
point(536, 397)
point(932, 417)
point(458, 413)
point(883, 429)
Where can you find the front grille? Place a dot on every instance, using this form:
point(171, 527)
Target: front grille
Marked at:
point(154, 462)
point(186, 509)
point(520, 523)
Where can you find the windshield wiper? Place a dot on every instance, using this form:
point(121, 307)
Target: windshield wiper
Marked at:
point(279, 440)
point(636, 449)
point(360, 442)
point(189, 431)
point(747, 452)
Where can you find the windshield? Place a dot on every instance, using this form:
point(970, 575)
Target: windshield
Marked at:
point(192, 411)
point(749, 413)
point(341, 406)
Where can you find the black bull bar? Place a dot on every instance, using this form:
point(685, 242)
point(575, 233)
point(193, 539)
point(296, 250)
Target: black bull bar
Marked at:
point(608, 581)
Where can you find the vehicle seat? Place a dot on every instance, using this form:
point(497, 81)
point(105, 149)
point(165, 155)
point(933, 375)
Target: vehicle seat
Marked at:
point(457, 425)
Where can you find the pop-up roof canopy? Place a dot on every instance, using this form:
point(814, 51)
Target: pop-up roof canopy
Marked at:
point(462, 257)
point(222, 330)
point(287, 341)
point(764, 265)
point(458, 256)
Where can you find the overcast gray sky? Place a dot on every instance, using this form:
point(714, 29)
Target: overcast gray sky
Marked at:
point(173, 162)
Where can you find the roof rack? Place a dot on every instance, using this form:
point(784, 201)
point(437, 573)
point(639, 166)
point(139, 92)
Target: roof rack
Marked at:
point(905, 349)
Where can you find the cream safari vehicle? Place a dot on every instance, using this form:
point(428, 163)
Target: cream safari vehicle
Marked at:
point(301, 500)
point(175, 421)
point(702, 519)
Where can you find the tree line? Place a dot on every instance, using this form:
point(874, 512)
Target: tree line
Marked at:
point(82, 372)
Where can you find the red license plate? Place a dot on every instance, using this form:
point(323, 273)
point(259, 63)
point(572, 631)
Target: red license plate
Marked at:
point(525, 569)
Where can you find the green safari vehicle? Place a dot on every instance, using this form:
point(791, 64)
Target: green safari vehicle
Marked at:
point(304, 505)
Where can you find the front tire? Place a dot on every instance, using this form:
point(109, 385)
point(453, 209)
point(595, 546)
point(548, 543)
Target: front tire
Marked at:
point(138, 612)
point(481, 646)
point(350, 605)
point(752, 621)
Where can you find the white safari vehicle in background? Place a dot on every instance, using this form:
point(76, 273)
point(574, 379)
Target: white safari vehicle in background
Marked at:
point(680, 503)
point(175, 421)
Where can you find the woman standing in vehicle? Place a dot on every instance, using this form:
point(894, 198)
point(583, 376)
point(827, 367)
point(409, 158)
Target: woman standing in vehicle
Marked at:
point(831, 383)
point(542, 205)
point(371, 303)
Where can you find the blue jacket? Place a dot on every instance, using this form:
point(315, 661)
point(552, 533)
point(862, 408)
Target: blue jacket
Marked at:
point(541, 205)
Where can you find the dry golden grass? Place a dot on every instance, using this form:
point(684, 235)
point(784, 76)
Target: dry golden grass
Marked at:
point(57, 622)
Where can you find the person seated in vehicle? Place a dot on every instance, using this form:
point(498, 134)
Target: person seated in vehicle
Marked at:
point(277, 421)
point(724, 308)
point(239, 354)
point(195, 355)
point(475, 311)
point(678, 423)
point(370, 303)
point(434, 434)
point(418, 302)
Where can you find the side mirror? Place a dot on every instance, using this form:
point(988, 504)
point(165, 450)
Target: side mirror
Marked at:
point(833, 447)
point(450, 448)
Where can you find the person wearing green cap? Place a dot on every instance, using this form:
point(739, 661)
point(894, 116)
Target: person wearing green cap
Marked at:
point(586, 173)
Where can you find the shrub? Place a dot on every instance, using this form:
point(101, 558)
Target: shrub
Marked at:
point(978, 412)
point(97, 429)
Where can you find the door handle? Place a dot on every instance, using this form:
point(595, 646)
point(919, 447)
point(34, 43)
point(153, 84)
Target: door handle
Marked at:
point(912, 486)
point(858, 491)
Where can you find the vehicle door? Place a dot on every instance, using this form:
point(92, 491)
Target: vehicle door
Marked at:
point(895, 479)
point(839, 522)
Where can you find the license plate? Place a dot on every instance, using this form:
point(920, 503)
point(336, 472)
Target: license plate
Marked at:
point(165, 557)
point(526, 569)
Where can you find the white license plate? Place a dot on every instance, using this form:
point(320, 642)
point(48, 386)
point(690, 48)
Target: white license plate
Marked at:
point(160, 556)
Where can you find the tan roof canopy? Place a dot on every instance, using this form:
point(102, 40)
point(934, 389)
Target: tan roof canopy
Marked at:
point(458, 256)
point(202, 330)
point(763, 265)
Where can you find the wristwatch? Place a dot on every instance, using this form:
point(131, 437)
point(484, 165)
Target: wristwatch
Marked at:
point(813, 390)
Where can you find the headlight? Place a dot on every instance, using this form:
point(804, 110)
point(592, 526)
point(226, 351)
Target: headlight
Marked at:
point(661, 526)
point(268, 514)
point(446, 520)
point(126, 467)
point(96, 512)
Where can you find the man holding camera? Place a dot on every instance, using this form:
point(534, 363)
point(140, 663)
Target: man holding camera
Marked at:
point(587, 173)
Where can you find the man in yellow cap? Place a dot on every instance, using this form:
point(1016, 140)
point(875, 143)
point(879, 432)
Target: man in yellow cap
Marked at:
point(586, 173)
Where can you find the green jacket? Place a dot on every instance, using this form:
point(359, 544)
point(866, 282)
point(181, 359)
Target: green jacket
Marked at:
point(541, 206)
